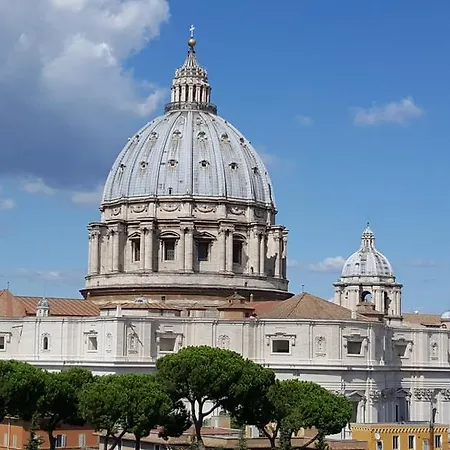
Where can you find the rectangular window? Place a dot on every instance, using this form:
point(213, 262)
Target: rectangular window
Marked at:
point(400, 349)
point(167, 344)
point(92, 343)
point(6, 440)
point(136, 250)
point(169, 250)
point(438, 441)
point(60, 440)
point(281, 346)
point(395, 442)
point(14, 441)
point(379, 445)
point(425, 444)
point(2, 343)
point(354, 347)
point(411, 442)
point(203, 250)
point(237, 252)
point(82, 440)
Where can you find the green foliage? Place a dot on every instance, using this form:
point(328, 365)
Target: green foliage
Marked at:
point(217, 376)
point(35, 442)
point(133, 404)
point(21, 386)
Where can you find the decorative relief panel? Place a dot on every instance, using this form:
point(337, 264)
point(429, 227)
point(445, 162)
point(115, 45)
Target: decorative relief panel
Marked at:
point(424, 395)
point(445, 394)
point(140, 208)
point(116, 211)
point(223, 341)
point(170, 207)
point(236, 210)
point(205, 208)
point(108, 342)
point(321, 346)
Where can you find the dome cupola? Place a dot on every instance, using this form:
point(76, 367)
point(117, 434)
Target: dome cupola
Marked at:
point(367, 281)
point(367, 261)
point(187, 209)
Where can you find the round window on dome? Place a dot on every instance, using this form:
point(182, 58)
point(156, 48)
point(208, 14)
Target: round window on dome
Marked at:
point(204, 163)
point(234, 166)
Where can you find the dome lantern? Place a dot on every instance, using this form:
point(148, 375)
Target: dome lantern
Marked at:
point(190, 86)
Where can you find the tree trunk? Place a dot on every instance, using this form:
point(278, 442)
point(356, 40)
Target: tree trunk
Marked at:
point(137, 442)
point(272, 438)
point(52, 440)
point(106, 441)
point(198, 435)
point(117, 440)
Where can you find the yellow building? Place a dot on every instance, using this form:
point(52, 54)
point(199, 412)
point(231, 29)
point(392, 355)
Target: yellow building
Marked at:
point(402, 436)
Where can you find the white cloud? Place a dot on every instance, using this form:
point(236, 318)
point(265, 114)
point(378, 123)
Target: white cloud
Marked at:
point(293, 263)
point(304, 121)
point(37, 186)
point(50, 276)
point(423, 263)
point(7, 203)
point(87, 197)
point(401, 113)
point(331, 264)
point(68, 90)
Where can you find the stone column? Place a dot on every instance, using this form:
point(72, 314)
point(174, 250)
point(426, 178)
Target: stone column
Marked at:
point(278, 256)
point(262, 254)
point(189, 249)
point(148, 255)
point(222, 242)
point(181, 249)
point(229, 251)
point(110, 235)
point(116, 251)
point(94, 247)
point(143, 248)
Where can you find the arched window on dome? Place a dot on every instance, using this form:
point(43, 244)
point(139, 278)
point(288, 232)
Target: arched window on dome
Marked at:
point(168, 245)
point(135, 242)
point(238, 249)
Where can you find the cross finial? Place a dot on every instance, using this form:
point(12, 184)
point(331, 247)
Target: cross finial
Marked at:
point(192, 29)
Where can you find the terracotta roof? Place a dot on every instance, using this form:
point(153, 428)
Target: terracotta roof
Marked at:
point(263, 307)
point(140, 305)
point(427, 320)
point(307, 306)
point(19, 306)
point(9, 306)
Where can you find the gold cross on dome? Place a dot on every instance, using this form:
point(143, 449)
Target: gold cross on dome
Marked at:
point(192, 29)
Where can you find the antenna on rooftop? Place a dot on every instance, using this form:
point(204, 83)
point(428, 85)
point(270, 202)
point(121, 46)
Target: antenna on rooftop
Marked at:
point(7, 285)
point(303, 288)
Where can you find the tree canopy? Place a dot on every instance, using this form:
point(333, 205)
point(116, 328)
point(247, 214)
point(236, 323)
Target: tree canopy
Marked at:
point(208, 378)
point(134, 404)
point(290, 405)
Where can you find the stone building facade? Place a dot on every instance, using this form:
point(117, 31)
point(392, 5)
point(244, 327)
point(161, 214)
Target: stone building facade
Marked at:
point(188, 252)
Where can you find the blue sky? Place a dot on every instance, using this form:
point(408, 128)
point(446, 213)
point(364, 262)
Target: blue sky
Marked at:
point(348, 103)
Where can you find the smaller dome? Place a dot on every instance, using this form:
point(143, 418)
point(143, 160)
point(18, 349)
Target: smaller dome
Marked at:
point(446, 316)
point(367, 261)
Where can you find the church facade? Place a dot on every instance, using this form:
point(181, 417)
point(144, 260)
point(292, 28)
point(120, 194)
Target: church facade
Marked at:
point(188, 252)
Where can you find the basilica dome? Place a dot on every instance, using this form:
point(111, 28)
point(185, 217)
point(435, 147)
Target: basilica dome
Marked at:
point(187, 214)
point(189, 151)
point(367, 261)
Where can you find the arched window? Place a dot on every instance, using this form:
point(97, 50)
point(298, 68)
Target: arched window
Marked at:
point(238, 250)
point(45, 343)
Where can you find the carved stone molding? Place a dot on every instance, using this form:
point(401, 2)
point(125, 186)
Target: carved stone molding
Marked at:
point(140, 208)
point(388, 393)
point(445, 394)
point(205, 208)
point(423, 395)
point(374, 395)
point(236, 210)
point(320, 346)
point(116, 211)
point(223, 341)
point(170, 207)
